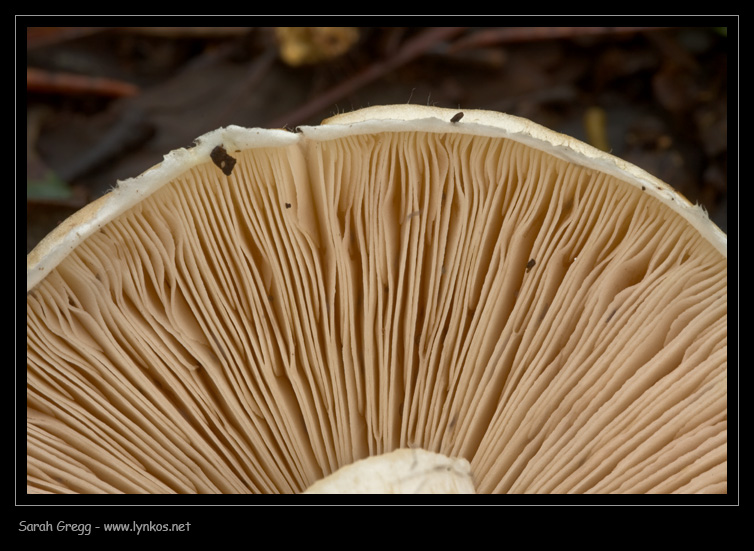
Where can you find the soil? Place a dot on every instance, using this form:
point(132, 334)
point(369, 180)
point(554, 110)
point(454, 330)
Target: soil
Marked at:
point(655, 97)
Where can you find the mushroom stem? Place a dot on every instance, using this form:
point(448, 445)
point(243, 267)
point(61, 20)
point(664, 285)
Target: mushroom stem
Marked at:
point(403, 471)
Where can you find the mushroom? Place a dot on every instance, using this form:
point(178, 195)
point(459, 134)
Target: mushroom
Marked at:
point(403, 471)
point(401, 290)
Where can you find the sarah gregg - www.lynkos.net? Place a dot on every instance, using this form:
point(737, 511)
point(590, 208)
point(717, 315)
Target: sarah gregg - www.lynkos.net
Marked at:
point(86, 528)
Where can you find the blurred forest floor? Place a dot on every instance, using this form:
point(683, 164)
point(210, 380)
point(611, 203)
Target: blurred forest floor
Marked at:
point(105, 104)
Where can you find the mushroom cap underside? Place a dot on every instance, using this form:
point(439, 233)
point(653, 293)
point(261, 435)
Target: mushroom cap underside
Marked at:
point(485, 288)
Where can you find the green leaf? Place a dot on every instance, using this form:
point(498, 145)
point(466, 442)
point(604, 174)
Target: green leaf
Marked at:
point(50, 187)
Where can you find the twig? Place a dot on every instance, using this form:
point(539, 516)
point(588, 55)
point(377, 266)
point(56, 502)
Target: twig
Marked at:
point(38, 80)
point(412, 49)
point(37, 37)
point(506, 35)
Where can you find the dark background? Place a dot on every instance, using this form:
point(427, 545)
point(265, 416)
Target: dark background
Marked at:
point(106, 103)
